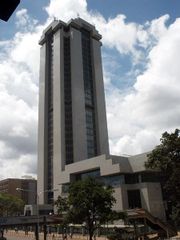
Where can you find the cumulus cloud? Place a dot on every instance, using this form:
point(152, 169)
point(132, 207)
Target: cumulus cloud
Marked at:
point(136, 116)
point(24, 20)
point(65, 10)
point(117, 33)
point(158, 26)
point(19, 99)
point(152, 106)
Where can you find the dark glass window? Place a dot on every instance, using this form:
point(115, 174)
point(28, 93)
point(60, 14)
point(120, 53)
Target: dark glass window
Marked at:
point(68, 102)
point(89, 95)
point(93, 174)
point(134, 198)
point(50, 118)
point(50, 197)
point(113, 181)
point(131, 178)
point(90, 133)
point(150, 177)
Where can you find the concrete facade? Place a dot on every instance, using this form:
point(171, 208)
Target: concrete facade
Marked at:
point(73, 138)
point(118, 169)
point(72, 117)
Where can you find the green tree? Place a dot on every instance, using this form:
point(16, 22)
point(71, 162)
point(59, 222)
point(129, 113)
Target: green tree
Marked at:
point(10, 205)
point(90, 203)
point(166, 158)
point(62, 205)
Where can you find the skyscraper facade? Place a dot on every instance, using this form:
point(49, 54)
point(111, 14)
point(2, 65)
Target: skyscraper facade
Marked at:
point(73, 138)
point(72, 116)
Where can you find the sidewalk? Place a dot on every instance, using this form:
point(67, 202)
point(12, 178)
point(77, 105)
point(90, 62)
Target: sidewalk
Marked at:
point(20, 235)
point(30, 235)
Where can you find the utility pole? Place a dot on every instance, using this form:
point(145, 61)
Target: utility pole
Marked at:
point(45, 228)
point(37, 231)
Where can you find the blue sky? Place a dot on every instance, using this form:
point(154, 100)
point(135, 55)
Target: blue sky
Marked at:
point(140, 54)
point(136, 10)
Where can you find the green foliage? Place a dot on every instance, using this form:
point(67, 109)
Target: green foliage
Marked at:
point(176, 213)
point(90, 200)
point(90, 203)
point(61, 205)
point(166, 158)
point(116, 235)
point(10, 205)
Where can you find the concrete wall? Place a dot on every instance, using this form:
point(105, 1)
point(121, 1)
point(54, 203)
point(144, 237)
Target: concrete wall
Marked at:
point(101, 122)
point(156, 206)
point(41, 126)
point(151, 198)
point(118, 194)
point(78, 98)
point(137, 162)
point(58, 106)
point(150, 193)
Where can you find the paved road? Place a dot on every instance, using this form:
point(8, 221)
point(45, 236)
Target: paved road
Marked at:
point(17, 238)
point(20, 235)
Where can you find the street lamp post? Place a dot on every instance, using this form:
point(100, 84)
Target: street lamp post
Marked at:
point(37, 201)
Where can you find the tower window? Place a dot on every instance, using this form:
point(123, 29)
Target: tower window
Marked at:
point(89, 95)
point(50, 117)
point(68, 102)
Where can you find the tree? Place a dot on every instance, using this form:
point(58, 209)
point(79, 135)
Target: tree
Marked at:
point(90, 203)
point(166, 158)
point(61, 205)
point(10, 205)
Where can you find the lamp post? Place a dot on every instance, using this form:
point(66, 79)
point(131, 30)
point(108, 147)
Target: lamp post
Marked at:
point(37, 194)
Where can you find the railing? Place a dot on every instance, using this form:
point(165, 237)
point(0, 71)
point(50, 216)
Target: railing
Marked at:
point(142, 213)
point(28, 220)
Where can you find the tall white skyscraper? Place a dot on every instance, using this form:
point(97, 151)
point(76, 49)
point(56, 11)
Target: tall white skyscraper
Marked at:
point(72, 116)
point(73, 138)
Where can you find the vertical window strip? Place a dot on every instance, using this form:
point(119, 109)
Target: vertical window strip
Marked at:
point(89, 95)
point(68, 102)
point(50, 119)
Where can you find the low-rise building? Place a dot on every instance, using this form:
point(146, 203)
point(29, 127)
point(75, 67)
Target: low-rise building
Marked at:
point(27, 188)
point(134, 185)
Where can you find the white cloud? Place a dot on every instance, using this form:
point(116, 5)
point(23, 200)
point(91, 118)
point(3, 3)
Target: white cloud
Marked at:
point(153, 106)
point(158, 26)
point(65, 10)
point(24, 21)
point(117, 33)
point(18, 167)
point(22, 18)
point(19, 67)
point(142, 140)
